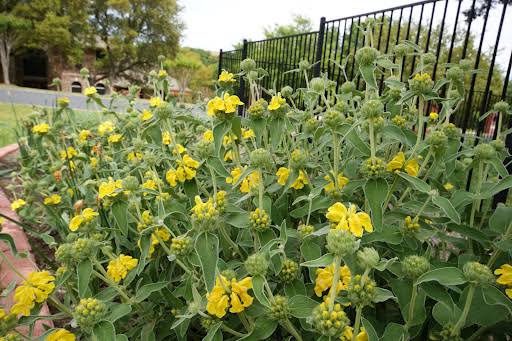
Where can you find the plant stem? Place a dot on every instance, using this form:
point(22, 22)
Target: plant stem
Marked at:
point(269, 291)
point(54, 302)
point(289, 326)
point(372, 139)
point(357, 323)
point(412, 303)
point(230, 241)
point(469, 298)
point(335, 280)
point(336, 158)
point(214, 183)
point(476, 202)
point(261, 189)
point(231, 331)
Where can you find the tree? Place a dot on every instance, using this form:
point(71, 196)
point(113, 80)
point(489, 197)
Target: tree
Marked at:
point(133, 33)
point(183, 68)
point(11, 28)
point(300, 24)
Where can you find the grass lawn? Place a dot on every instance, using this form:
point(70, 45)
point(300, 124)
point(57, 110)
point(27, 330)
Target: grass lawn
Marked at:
point(8, 114)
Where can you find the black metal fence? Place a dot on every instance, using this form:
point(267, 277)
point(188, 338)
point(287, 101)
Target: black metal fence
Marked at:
point(479, 31)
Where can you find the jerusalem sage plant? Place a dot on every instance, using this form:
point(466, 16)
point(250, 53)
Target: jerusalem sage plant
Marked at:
point(347, 217)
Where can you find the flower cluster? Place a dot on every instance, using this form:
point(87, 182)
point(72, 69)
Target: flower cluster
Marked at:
point(230, 294)
point(35, 289)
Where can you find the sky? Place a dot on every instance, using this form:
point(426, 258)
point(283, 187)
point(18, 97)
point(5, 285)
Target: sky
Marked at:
point(219, 24)
point(216, 24)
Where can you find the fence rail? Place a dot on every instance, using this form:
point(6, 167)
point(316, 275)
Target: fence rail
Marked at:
point(450, 29)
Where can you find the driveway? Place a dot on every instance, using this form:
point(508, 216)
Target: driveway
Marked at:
point(48, 98)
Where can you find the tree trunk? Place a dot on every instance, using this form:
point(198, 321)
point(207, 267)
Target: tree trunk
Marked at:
point(5, 51)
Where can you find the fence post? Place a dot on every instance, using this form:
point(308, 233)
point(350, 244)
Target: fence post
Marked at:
point(319, 48)
point(219, 70)
point(241, 88)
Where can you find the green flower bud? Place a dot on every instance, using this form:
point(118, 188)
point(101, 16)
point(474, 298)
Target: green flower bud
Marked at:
point(289, 271)
point(455, 74)
point(64, 253)
point(304, 65)
point(499, 145)
point(279, 308)
point(348, 87)
point(229, 274)
point(317, 84)
point(333, 119)
point(7, 323)
point(298, 159)
point(257, 109)
point(361, 291)
point(163, 111)
point(477, 273)
point(448, 333)
point(207, 322)
point(181, 246)
point(83, 249)
point(372, 109)
point(205, 149)
point(399, 121)
point(401, 50)
point(368, 257)
point(484, 151)
point(329, 323)
point(256, 264)
point(466, 64)
point(89, 312)
point(261, 158)
point(305, 230)
point(286, 91)
point(366, 56)
point(342, 107)
point(252, 75)
point(502, 107)
point(248, 64)
point(415, 266)
point(437, 141)
point(259, 220)
point(421, 84)
point(311, 125)
point(373, 168)
point(11, 337)
point(429, 58)
point(84, 73)
point(131, 183)
point(341, 242)
point(452, 131)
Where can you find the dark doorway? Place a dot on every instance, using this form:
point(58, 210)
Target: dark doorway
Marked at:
point(100, 87)
point(32, 69)
point(76, 87)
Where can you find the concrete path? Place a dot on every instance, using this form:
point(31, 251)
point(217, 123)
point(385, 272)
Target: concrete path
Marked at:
point(11, 94)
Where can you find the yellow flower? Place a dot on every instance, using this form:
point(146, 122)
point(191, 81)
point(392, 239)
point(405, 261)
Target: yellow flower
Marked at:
point(348, 219)
point(118, 268)
point(61, 335)
point(115, 138)
point(63, 101)
point(110, 188)
point(228, 156)
point(448, 186)
point(229, 293)
point(69, 153)
point(17, 204)
point(235, 175)
point(208, 135)
point(93, 161)
point(412, 223)
point(282, 175)
point(105, 127)
point(41, 128)
point(276, 102)
point(134, 156)
point(231, 102)
point(179, 149)
point(162, 73)
point(331, 186)
point(189, 162)
point(215, 105)
point(146, 114)
point(84, 135)
point(184, 173)
point(397, 163)
point(2, 220)
point(70, 192)
point(226, 77)
point(300, 181)
point(250, 181)
point(155, 102)
point(37, 288)
point(87, 215)
point(171, 177)
point(433, 116)
point(505, 275)
point(53, 199)
point(149, 184)
point(90, 91)
point(166, 138)
point(325, 276)
point(348, 332)
point(247, 133)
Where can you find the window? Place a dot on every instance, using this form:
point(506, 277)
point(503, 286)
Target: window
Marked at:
point(76, 87)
